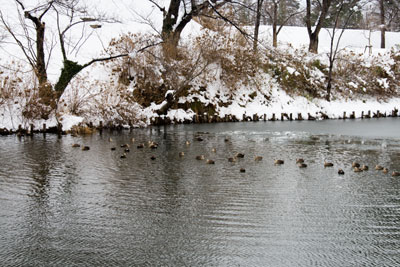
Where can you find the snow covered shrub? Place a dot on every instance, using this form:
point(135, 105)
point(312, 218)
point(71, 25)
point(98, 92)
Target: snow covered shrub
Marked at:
point(20, 100)
point(356, 74)
point(40, 103)
point(238, 62)
point(159, 69)
point(99, 100)
point(209, 58)
point(298, 73)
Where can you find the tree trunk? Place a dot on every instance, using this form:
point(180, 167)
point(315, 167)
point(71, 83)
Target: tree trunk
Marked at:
point(275, 26)
point(170, 19)
point(274, 36)
point(68, 72)
point(40, 64)
point(170, 98)
point(257, 24)
point(313, 46)
point(382, 21)
point(329, 86)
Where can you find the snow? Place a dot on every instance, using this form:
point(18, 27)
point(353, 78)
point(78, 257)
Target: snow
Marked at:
point(136, 16)
point(68, 121)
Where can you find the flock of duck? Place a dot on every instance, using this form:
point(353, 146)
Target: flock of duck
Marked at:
point(300, 162)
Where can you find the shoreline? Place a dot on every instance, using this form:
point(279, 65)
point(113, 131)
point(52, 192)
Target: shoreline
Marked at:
point(90, 128)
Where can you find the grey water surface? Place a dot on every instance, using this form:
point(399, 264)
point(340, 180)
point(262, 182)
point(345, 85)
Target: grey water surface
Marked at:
point(61, 206)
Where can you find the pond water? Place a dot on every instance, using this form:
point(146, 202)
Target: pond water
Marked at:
point(61, 206)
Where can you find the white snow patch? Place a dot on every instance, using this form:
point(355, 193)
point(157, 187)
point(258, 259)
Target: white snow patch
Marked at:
point(68, 121)
point(353, 84)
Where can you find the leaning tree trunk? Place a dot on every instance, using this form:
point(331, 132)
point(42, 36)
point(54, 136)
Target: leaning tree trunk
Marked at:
point(69, 70)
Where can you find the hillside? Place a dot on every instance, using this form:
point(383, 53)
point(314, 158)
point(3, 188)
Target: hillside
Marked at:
point(230, 80)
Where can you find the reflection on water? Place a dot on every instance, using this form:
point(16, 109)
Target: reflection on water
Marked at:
point(61, 206)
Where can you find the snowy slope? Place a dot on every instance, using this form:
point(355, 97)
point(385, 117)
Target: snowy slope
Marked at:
point(133, 14)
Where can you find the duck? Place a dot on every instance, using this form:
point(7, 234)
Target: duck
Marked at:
point(200, 157)
point(395, 174)
point(85, 148)
point(199, 138)
point(123, 156)
point(133, 140)
point(125, 145)
point(279, 162)
point(328, 164)
point(378, 167)
point(210, 161)
point(385, 170)
point(341, 172)
point(357, 169)
point(239, 155)
point(113, 148)
point(258, 158)
point(242, 170)
point(181, 154)
point(110, 139)
point(187, 143)
point(364, 167)
point(153, 145)
point(140, 146)
point(355, 165)
point(232, 159)
point(76, 145)
point(126, 150)
point(214, 150)
point(153, 157)
point(302, 165)
point(300, 160)
point(226, 140)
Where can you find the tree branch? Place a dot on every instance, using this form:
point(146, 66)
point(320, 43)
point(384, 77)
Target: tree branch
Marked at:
point(30, 60)
point(118, 56)
point(162, 9)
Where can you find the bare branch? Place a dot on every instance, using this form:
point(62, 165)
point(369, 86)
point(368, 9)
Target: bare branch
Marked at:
point(19, 2)
point(162, 9)
point(119, 56)
point(19, 43)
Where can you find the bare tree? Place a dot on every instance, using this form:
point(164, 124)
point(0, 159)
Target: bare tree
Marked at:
point(32, 47)
point(76, 15)
point(275, 11)
point(340, 25)
point(384, 15)
point(174, 21)
point(323, 12)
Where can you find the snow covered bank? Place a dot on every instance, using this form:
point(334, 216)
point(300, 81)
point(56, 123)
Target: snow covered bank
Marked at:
point(218, 76)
